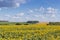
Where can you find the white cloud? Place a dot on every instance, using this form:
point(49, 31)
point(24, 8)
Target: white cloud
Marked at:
point(36, 15)
point(20, 14)
point(12, 3)
point(0, 9)
point(17, 4)
point(31, 11)
point(53, 16)
point(51, 10)
point(42, 14)
point(42, 9)
point(8, 15)
point(36, 9)
point(14, 17)
point(17, 16)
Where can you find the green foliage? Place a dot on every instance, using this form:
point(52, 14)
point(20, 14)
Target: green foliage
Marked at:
point(54, 23)
point(26, 24)
point(32, 22)
point(18, 24)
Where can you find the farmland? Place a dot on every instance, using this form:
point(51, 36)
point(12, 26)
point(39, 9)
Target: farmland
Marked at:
point(30, 32)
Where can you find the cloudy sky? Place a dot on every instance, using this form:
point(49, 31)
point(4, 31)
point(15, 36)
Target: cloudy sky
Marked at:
point(24, 10)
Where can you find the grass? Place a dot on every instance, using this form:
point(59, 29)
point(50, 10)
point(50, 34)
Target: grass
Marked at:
point(30, 32)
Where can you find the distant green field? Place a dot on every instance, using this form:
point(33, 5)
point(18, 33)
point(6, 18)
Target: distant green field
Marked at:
point(30, 32)
point(11, 23)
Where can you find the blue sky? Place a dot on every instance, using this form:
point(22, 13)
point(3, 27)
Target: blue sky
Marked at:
point(24, 10)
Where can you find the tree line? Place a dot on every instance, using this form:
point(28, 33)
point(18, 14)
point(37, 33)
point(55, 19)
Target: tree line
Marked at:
point(54, 23)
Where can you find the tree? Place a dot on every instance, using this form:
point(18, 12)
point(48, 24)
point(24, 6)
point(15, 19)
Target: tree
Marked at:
point(18, 24)
point(33, 22)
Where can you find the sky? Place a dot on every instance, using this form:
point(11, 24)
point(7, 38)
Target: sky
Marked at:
point(30, 10)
